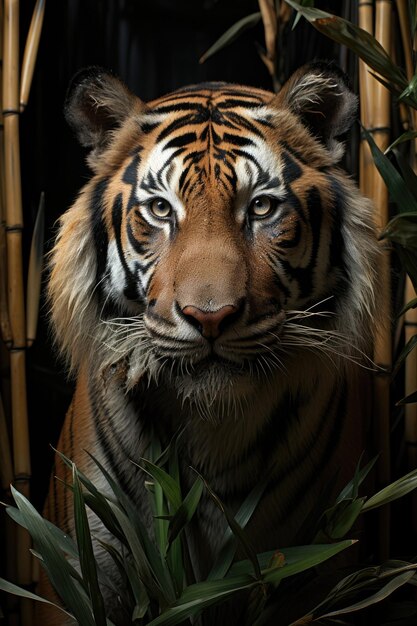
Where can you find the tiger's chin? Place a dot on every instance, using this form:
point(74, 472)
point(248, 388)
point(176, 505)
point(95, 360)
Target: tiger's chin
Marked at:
point(214, 390)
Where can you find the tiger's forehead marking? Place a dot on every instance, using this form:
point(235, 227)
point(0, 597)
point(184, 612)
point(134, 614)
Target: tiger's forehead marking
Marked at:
point(212, 136)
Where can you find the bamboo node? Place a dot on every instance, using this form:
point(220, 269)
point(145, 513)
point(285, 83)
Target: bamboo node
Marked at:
point(21, 478)
point(18, 348)
point(375, 129)
point(11, 112)
point(14, 228)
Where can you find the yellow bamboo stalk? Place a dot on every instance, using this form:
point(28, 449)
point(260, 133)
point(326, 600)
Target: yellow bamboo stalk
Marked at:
point(269, 19)
point(410, 318)
point(14, 226)
point(366, 164)
point(383, 340)
point(31, 52)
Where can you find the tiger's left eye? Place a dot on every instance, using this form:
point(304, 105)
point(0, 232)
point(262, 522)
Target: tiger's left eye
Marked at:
point(262, 206)
point(160, 208)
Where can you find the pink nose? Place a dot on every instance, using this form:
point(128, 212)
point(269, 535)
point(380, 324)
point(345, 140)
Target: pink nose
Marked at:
point(209, 324)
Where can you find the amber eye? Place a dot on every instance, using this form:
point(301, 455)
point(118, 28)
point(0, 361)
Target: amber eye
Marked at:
point(160, 208)
point(262, 206)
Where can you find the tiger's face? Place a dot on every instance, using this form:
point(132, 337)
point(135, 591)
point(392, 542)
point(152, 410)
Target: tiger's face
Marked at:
point(222, 229)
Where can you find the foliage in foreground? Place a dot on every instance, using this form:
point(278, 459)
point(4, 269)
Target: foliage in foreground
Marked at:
point(155, 586)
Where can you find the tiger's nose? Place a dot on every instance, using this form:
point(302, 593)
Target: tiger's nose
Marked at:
point(212, 323)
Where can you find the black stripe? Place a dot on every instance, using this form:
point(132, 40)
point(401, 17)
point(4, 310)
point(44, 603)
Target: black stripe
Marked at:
point(237, 140)
point(292, 171)
point(181, 141)
point(100, 236)
point(131, 284)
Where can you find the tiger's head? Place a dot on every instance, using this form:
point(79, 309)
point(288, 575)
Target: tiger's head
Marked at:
point(217, 241)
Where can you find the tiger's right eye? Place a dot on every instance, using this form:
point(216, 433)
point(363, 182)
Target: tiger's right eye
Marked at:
point(160, 208)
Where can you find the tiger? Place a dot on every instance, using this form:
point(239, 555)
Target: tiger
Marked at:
point(218, 272)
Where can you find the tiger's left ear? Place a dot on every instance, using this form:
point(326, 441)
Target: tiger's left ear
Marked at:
point(319, 95)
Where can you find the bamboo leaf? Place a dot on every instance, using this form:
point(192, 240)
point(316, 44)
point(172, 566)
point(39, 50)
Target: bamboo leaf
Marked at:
point(351, 489)
point(8, 587)
point(164, 596)
point(407, 172)
point(410, 134)
point(185, 609)
point(395, 490)
point(235, 527)
point(402, 229)
point(155, 561)
point(410, 305)
point(411, 398)
point(303, 3)
point(228, 545)
point(186, 511)
point(356, 39)
point(231, 34)
point(64, 541)
point(409, 346)
point(313, 556)
point(169, 486)
point(58, 568)
point(380, 595)
point(396, 185)
point(85, 548)
point(408, 258)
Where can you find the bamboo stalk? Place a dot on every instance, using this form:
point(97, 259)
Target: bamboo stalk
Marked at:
point(366, 163)
point(5, 329)
point(31, 52)
point(383, 340)
point(270, 22)
point(410, 318)
point(14, 226)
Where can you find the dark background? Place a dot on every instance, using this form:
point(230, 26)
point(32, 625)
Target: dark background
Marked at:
point(155, 48)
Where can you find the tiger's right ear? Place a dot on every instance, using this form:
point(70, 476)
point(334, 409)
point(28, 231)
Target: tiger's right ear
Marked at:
point(97, 102)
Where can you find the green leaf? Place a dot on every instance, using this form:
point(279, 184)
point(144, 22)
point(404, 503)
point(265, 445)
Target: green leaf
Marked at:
point(313, 555)
point(199, 596)
point(164, 595)
point(396, 185)
point(395, 490)
point(303, 3)
point(408, 258)
point(403, 230)
point(155, 561)
point(407, 136)
point(170, 488)
point(380, 595)
point(64, 541)
point(24, 593)
point(410, 305)
point(186, 511)
point(58, 568)
point(85, 548)
point(356, 39)
point(235, 527)
point(227, 549)
point(351, 489)
point(139, 591)
point(409, 346)
point(344, 521)
point(411, 398)
point(231, 34)
point(407, 172)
